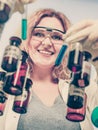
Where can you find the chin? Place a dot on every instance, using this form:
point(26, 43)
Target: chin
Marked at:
point(45, 65)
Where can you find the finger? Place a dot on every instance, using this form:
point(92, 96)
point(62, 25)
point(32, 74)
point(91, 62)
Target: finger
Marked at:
point(78, 36)
point(93, 37)
point(92, 40)
point(95, 45)
point(78, 27)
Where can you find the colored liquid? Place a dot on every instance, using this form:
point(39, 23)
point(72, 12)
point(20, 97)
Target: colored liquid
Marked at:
point(2, 108)
point(75, 102)
point(14, 87)
point(9, 67)
point(2, 97)
point(21, 103)
point(4, 13)
point(60, 55)
point(86, 79)
point(75, 65)
point(11, 55)
point(77, 115)
point(94, 117)
point(24, 29)
point(75, 97)
point(81, 81)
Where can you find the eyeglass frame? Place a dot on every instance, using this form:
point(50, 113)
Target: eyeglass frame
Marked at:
point(49, 30)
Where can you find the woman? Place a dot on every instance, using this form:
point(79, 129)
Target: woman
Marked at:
point(47, 107)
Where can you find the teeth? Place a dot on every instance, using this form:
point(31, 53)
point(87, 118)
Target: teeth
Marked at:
point(45, 52)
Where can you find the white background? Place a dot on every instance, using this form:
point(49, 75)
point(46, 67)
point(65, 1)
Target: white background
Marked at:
point(75, 10)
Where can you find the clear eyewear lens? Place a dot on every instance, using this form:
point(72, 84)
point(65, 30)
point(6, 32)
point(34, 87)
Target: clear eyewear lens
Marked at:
point(56, 37)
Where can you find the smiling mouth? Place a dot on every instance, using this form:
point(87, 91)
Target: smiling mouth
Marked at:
point(46, 52)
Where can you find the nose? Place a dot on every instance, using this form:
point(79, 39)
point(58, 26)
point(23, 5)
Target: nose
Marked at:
point(47, 43)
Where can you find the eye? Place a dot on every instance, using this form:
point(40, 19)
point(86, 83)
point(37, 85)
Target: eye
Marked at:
point(38, 34)
point(56, 37)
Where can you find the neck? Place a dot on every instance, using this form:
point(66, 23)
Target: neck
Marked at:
point(41, 74)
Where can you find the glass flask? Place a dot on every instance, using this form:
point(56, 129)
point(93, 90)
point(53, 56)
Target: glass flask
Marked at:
point(11, 55)
point(4, 12)
point(21, 102)
point(86, 69)
point(14, 81)
point(82, 78)
point(77, 115)
point(2, 108)
point(3, 95)
point(75, 96)
point(75, 58)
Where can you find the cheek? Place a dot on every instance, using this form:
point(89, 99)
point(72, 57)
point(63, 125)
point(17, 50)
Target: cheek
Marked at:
point(32, 45)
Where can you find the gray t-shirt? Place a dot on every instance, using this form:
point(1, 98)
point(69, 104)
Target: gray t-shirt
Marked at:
point(41, 117)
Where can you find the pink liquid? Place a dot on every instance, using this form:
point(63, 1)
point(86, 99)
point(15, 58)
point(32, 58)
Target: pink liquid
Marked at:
point(77, 115)
point(2, 108)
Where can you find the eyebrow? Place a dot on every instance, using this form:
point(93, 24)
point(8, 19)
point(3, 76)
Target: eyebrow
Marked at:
point(49, 29)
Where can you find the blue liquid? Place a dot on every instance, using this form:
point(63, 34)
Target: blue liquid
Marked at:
point(60, 55)
point(24, 29)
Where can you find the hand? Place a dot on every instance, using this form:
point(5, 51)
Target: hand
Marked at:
point(19, 5)
point(26, 1)
point(85, 32)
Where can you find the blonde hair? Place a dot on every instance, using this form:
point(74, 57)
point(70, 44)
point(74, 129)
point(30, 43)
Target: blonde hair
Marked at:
point(34, 20)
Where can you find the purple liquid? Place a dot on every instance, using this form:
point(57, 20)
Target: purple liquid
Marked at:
point(14, 84)
point(21, 102)
point(9, 67)
point(75, 102)
point(20, 106)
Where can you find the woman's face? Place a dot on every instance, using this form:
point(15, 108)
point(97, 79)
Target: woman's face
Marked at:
point(46, 41)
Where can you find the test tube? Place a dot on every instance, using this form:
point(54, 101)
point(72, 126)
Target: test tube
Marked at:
point(24, 24)
point(75, 59)
point(60, 55)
